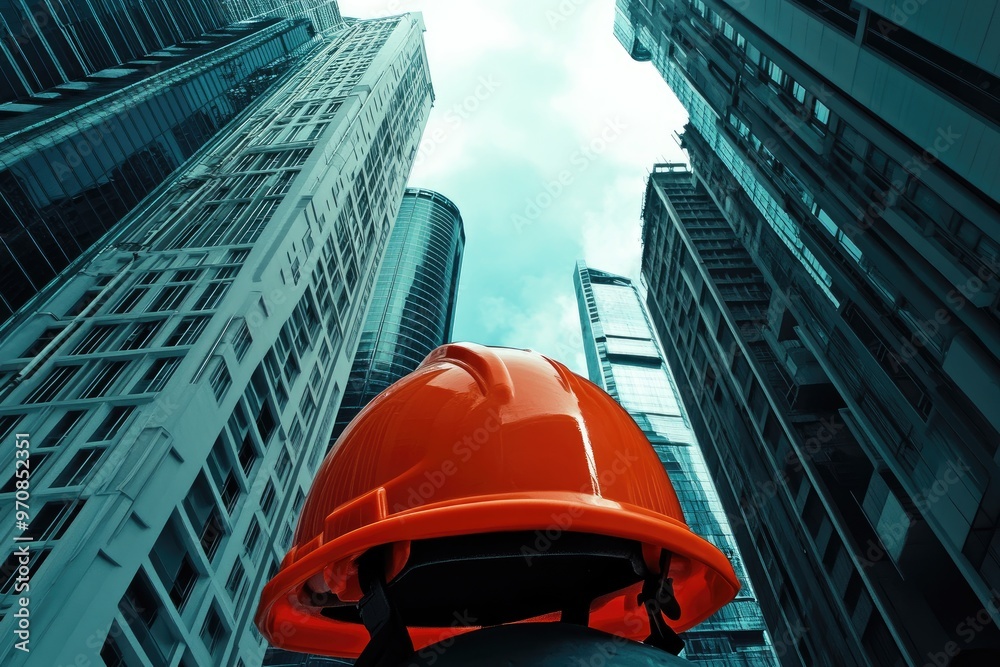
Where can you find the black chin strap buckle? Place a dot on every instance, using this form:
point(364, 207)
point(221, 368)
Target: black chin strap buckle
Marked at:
point(658, 597)
point(389, 641)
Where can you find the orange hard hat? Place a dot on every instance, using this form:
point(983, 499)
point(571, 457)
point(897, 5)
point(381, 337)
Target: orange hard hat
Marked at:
point(494, 486)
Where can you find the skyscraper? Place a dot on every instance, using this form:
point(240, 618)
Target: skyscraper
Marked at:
point(73, 166)
point(846, 562)
point(324, 15)
point(625, 359)
point(847, 152)
point(413, 306)
point(69, 46)
point(412, 312)
point(179, 389)
point(878, 168)
point(44, 45)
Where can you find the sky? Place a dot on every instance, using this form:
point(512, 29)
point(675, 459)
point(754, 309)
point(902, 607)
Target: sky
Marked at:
point(543, 132)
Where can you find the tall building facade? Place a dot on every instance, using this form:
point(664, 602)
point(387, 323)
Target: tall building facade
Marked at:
point(625, 359)
point(324, 15)
point(412, 312)
point(72, 168)
point(44, 45)
point(850, 148)
point(413, 306)
point(848, 564)
point(180, 389)
point(51, 48)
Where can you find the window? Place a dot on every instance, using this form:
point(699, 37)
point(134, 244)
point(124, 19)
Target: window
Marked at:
point(252, 538)
point(109, 428)
point(267, 500)
point(35, 464)
point(128, 301)
point(813, 514)
point(104, 379)
point(853, 591)
point(230, 492)
point(7, 424)
point(170, 298)
point(238, 255)
point(187, 331)
point(352, 277)
point(202, 512)
point(95, 339)
point(833, 549)
point(111, 653)
point(212, 295)
point(220, 380)
point(295, 436)
point(645, 389)
point(821, 112)
point(173, 565)
point(853, 141)
point(52, 520)
point(242, 341)
point(218, 460)
point(798, 92)
point(878, 642)
point(79, 467)
point(284, 465)
point(227, 272)
point(212, 534)
point(247, 455)
point(53, 384)
point(234, 583)
point(213, 633)
point(265, 423)
point(157, 375)
point(140, 336)
point(777, 75)
point(141, 610)
point(39, 343)
point(183, 583)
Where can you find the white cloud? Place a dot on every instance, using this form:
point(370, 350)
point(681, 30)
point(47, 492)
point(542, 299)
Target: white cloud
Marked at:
point(550, 325)
point(612, 233)
point(562, 78)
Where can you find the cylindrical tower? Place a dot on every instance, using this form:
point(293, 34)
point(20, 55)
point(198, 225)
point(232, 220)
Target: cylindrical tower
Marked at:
point(413, 306)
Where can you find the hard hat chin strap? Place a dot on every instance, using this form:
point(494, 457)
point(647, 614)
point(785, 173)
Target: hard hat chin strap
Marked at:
point(658, 597)
point(389, 641)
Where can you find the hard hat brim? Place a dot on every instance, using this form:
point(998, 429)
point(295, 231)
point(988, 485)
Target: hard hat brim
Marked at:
point(704, 579)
